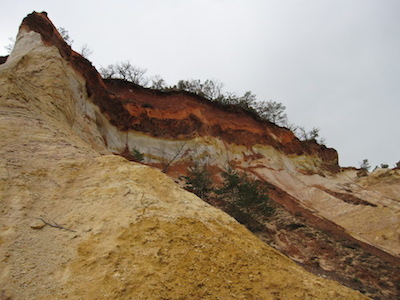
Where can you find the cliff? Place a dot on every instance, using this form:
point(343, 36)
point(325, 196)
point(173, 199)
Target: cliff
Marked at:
point(157, 123)
point(78, 222)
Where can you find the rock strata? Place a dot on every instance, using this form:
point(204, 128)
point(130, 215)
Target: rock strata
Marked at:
point(132, 233)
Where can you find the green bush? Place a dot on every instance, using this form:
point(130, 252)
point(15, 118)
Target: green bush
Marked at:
point(246, 193)
point(198, 181)
point(137, 155)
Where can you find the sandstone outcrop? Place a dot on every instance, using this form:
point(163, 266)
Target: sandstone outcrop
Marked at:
point(113, 229)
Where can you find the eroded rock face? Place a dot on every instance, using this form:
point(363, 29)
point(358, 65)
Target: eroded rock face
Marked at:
point(158, 123)
point(181, 115)
point(161, 122)
point(121, 230)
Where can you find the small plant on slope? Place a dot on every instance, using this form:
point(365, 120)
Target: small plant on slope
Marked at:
point(198, 181)
point(365, 165)
point(245, 193)
point(137, 155)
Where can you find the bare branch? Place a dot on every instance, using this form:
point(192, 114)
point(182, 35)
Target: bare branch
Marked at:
point(166, 160)
point(86, 51)
point(55, 225)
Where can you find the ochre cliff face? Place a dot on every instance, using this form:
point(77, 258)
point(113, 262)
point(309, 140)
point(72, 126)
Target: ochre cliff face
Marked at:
point(55, 161)
point(177, 115)
point(157, 123)
point(95, 86)
point(79, 223)
point(182, 115)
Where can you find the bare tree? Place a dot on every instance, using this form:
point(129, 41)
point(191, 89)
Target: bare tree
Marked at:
point(126, 71)
point(86, 51)
point(157, 82)
point(304, 135)
point(212, 89)
point(131, 73)
point(108, 72)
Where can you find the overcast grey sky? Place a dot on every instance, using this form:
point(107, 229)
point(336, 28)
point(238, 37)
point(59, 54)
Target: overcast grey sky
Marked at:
point(335, 64)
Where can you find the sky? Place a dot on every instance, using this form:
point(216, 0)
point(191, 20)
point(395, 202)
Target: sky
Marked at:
point(334, 64)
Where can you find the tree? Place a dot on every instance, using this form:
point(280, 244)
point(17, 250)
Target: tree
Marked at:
point(192, 85)
point(126, 71)
point(312, 135)
point(157, 82)
point(86, 51)
point(247, 101)
point(131, 73)
point(210, 89)
point(230, 185)
point(272, 111)
point(108, 72)
point(198, 180)
point(244, 192)
point(65, 35)
point(365, 165)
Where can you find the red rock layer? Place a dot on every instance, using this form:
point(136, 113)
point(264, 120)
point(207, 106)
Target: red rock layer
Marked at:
point(182, 115)
point(176, 114)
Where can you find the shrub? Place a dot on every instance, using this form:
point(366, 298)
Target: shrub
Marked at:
point(137, 155)
point(210, 89)
point(245, 193)
point(65, 35)
point(272, 111)
point(365, 165)
point(198, 181)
